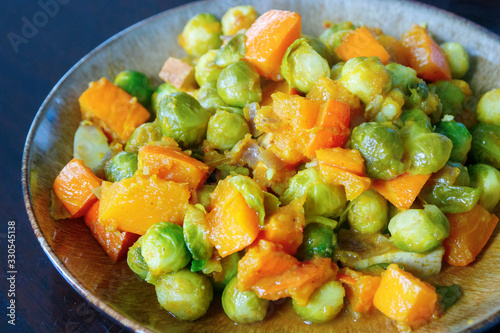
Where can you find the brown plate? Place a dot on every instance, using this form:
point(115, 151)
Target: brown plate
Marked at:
point(113, 288)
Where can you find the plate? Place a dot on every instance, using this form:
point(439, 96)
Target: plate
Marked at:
point(113, 288)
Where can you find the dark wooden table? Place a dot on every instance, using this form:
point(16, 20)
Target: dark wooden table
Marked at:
point(29, 68)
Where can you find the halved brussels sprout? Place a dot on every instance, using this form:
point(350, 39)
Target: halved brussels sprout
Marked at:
point(185, 294)
point(368, 213)
point(488, 108)
point(90, 144)
point(229, 271)
point(452, 173)
point(324, 304)
point(122, 165)
point(225, 129)
point(319, 47)
point(233, 51)
point(209, 98)
point(182, 118)
point(459, 136)
point(136, 261)
point(195, 235)
point(163, 90)
point(137, 85)
point(457, 57)
point(243, 306)
point(451, 199)
point(485, 146)
point(142, 135)
point(451, 96)
point(238, 18)
point(333, 29)
point(419, 230)
point(487, 179)
point(206, 69)
point(302, 66)
point(319, 241)
point(201, 33)
point(239, 84)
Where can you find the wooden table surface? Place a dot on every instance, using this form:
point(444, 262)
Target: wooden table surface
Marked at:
point(29, 68)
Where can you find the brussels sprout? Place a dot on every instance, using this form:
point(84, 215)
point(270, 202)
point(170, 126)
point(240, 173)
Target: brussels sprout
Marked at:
point(451, 199)
point(419, 230)
point(333, 29)
point(163, 90)
point(319, 241)
point(319, 47)
point(243, 306)
point(185, 294)
point(252, 192)
point(302, 66)
point(487, 179)
point(452, 173)
point(463, 178)
point(225, 129)
point(90, 144)
point(451, 96)
point(421, 98)
point(324, 304)
point(233, 51)
point(195, 235)
point(229, 271)
point(488, 108)
point(457, 58)
point(136, 261)
point(226, 170)
point(382, 148)
point(200, 34)
point(203, 194)
point(485, 146)
point(206, 70)
point(449, 295)
point(389, 109)
point(417, 116)
point(402, 77)
point(366, 78)
point(321, 199)
point(142, 135)
point(238, 18)
point(459, 136)
point(336, 71)
point(368, 213)
point(137, 85)
point(209, 98)
point(122, 165)
point(239, 84)
point(164, 249)
point(182, 118)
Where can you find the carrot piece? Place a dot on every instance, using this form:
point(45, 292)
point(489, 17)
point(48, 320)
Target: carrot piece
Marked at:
point(262, 260)
point(134, 204)
point(74, 186)
point(361, 43)
point(232, 224)
point(171, 164)
point(110, 107)
point(469, 233)
point(395, 49)
point(424, 55)
point(333, 113)
point(402, 190)
point(178, 73)
point(354, 185)
point(299, 111)
point(360, 288)
point(405, 298)
point(115, 243)
point(268, 39)
point(345, 159)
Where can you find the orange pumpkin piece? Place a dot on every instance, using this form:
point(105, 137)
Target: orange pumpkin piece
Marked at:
point(325, 89)
point(299, 111)
point(405, 298)
point(262, 260)
point(424, 55)
point(172, 164)
point(469, 233)
point(361, 43)
point(134, 204)
point(395, 49)
point(269, 87)
point(333, 113)
point(402, 190)
point(113, 109)
point(345, 159)
point(268, 38)
point(74, 186)
point(115, 243)
point(320, 138)
point(232, 224)
point(287, 145)
point(354, 185)
point(360, 288)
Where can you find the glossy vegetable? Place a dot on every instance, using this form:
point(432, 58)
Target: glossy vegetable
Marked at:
point(324, 304)
point(318, 241)
point(488, 109)
point(487, 179)
point(136, 84)
point(163, 90)
point(451, 199)
point(402, 190)
point(459, 136)
point(122, 165)
point(485, 146)
point(361, 43)
point(368, 213)
point(419, 230)
point(200, 34)
point(450, 95)
point(136, 261)
point(178, 73)
point(232, 51)
point(402, 76)
point(229, 271)
point(144, 134)
point(359, 288)
point(184, 294)
point(90, 144)
point(239, 84)
point(206, 69)
point(225, 129)
point(243, 306)
point(196, 235)
point(208, 97)
point(238, 18)
point(457, 58)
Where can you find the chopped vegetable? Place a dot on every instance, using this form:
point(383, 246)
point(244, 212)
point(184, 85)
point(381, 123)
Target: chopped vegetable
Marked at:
point(360, 289)
point(361, 43)
point(402, 190)
point(178, 73)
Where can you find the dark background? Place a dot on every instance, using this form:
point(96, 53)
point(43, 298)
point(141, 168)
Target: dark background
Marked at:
point(45, 302)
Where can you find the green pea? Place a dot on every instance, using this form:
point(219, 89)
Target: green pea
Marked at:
point(239, 84)
point(122, 165)
point(137, 85)
point(458, 59)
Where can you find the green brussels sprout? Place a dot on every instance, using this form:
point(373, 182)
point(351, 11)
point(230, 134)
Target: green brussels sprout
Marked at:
point(324, 304)
point(458, 59)
point(209, 98)
point(386, 108)
point(463, 178)
point(239, 84)
point(136, 261)
point(319, 241)
point(206, 70)
point(419, 230)
point(163, 90)
point(226, 170)
point(368, 213)
point(271, 203)
point(366, 78)
point(452, 173)
point(485, 146)
point(252, 192)
point(336, 71)
point(142, 135)
point(137, 85)
point(417, 116)
point(203, 194)
point(402, 77)
point(233, 51)
point(333, 29)
point(421, 98)
point(225, 129)
point(487, 179)
point(459, 136)
point(164, 249)
point(90, 144)
point(243, 306)
point(200, 34)
point(182, 118)
point(196, 236)
point(185, 294)
point(229, 271)
point(238, 18)
point(382, 148)
point(122, 165)
point(319, 47)
point(321, 199)
point(488, 108)
point(450, 95)
point(451, 199)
